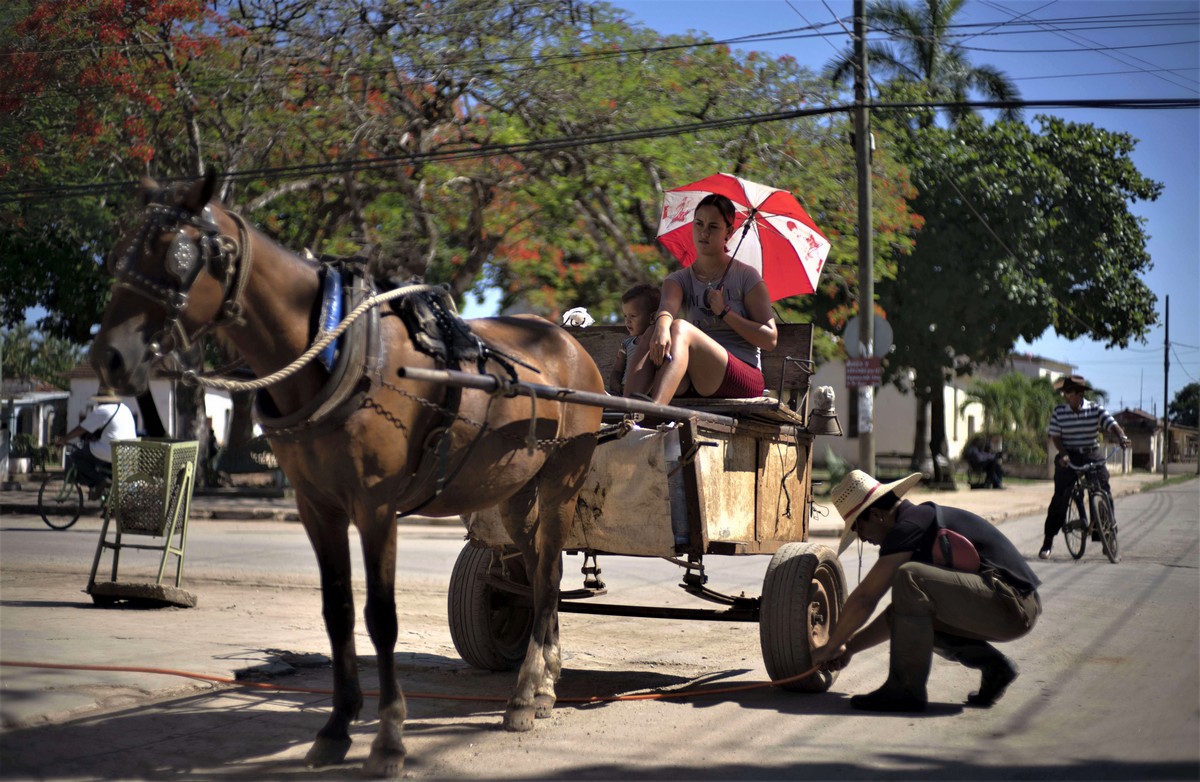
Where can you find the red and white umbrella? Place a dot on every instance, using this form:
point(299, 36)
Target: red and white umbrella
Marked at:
point(782, 241)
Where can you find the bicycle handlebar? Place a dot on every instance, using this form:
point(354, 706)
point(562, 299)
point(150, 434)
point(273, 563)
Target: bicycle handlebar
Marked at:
point(1096, 464)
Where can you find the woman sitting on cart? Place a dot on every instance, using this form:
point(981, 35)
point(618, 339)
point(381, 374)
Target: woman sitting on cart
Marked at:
point(714, 349)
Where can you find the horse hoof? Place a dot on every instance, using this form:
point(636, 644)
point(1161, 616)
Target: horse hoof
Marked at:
point(327, 752)
point(543, 705)
point(519, 719)
point(384, 764)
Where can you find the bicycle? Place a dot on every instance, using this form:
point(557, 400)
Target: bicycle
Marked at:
point(60, 497)
point(1080, 525)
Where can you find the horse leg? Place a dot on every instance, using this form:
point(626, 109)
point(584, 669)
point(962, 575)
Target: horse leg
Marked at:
point(379, 554)
point(541, 544)
point(331, 544)
point(519, 513)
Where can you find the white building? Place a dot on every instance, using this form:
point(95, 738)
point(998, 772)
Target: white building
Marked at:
point(895, 414)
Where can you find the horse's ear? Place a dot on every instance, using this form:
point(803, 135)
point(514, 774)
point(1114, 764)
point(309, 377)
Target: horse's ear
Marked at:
point(149, 190)
point(200, 192)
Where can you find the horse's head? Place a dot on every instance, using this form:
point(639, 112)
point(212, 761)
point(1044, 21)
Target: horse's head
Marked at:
point(175, 276)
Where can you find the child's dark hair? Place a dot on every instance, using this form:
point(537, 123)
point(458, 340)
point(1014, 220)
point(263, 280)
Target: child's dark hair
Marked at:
point(644, 292)
point(723, 205)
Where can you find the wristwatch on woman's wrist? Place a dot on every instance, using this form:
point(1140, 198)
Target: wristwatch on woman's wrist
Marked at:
point(724, 312)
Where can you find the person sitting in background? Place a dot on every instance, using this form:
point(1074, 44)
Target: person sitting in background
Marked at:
point(637, 305)
point(981, 459)
point(715, 349)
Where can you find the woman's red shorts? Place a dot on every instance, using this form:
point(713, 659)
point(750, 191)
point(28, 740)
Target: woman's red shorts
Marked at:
point(741, 380)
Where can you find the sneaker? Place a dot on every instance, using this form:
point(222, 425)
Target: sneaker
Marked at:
point(1044, 554)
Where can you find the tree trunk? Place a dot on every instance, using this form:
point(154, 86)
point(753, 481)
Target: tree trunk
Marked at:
point(943, 473)
point(920, 448)
point(152, 425)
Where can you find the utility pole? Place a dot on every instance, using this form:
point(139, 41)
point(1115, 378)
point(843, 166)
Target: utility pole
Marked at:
point(866, 278)
point(1166, 390)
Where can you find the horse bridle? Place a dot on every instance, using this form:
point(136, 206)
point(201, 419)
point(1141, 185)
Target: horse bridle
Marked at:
point(228, 260)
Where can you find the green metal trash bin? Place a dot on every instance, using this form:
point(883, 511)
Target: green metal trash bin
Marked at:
point(151, 497)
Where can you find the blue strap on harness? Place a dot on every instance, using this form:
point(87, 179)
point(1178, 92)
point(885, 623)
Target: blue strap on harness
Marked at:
point(331, 313)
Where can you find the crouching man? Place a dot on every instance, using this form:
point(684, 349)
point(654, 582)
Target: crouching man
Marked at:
point(934, 608)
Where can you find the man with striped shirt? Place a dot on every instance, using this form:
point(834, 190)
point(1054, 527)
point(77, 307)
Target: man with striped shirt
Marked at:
point(1075, 427)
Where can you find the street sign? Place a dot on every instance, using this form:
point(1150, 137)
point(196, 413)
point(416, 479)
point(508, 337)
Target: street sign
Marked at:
point(881, 343)
point(863, 372)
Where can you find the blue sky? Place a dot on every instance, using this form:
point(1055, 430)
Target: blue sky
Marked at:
point(1086, 63)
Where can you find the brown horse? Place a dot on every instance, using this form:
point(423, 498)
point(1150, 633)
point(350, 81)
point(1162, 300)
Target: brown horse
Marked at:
point(379, 446)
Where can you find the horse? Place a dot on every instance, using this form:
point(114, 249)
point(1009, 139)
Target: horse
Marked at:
point(374, 446)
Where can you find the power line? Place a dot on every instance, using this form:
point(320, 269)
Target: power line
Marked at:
point(562, 143)
point(1124, 59)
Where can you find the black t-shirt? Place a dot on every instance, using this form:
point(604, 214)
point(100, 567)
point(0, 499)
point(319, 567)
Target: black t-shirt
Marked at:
point(915, 530)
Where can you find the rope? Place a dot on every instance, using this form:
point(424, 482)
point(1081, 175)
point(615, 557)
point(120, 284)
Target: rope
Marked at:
point(645, 696)
point(254, 385)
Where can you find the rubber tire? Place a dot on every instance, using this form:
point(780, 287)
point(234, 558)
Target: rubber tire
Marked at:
point(1102, 513)
point(64, 513)
point(1076, 530)
point(804, 591)
point(490, 627)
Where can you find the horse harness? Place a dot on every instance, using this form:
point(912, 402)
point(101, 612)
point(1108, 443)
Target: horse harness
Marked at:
point(356, 367)
point(228, 260)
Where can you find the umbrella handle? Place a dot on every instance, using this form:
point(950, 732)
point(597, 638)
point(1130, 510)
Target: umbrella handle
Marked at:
point(745, 230)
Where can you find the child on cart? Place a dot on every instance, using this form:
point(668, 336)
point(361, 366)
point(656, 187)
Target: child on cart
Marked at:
point(637, 305)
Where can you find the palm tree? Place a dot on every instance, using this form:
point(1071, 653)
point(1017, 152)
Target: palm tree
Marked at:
point(924, 55)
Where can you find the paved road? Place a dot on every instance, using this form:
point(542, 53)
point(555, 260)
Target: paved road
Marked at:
point(1108, 690)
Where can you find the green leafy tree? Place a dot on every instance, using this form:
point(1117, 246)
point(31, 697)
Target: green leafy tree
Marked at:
point(397, 117)
point(922, 53)
point(94, 96)
point(29, 355)
point(1184, 409)
point(1024, 231)
point(1017, 408)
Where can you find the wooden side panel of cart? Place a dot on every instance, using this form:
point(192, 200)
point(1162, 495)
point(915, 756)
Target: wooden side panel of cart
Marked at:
point(746, 482)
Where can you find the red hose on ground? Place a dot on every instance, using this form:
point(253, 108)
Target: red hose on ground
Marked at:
point(648, 696)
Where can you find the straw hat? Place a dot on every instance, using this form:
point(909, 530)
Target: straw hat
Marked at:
point(1071, 383)
point(105, 395)
point(859, 491)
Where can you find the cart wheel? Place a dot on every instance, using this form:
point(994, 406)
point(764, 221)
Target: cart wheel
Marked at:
point(490, 627)
point(803, 594)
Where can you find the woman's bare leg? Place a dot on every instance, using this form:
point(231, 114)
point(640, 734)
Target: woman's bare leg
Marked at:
point(696, 361)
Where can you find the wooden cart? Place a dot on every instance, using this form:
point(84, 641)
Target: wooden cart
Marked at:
point(681, 482)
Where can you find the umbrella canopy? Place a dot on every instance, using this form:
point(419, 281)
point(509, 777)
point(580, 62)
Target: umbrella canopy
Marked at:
point(773, 233)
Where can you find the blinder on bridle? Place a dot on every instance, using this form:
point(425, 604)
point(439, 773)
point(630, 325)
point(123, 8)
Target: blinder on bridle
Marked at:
point(223, 257)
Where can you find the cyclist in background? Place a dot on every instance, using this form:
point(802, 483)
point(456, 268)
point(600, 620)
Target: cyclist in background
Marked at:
point(109, 420)
point(1075, 427)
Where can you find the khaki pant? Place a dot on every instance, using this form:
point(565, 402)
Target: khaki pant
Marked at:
point(969, 605)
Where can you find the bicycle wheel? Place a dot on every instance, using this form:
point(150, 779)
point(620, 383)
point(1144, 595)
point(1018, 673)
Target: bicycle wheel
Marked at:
point(1075, 528)
point(1102, 513)
point(60, 501)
